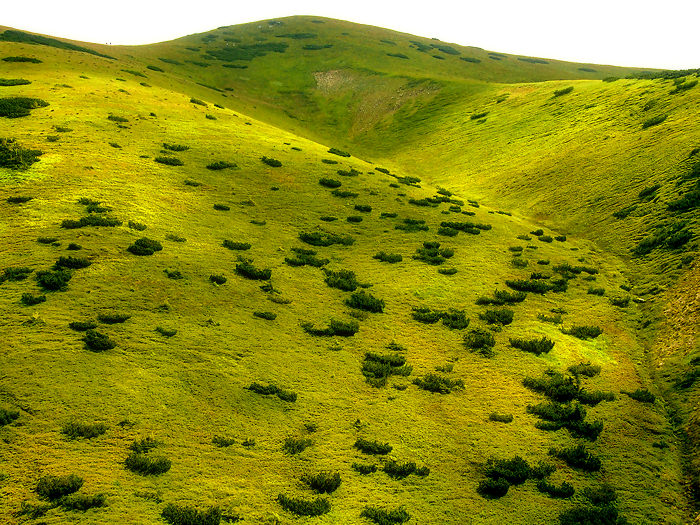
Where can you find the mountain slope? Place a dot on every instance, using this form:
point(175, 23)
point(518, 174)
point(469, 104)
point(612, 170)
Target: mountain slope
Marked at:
point(100, 134)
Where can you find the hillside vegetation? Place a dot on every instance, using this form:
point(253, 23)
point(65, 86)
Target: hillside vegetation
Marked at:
point(304, 268)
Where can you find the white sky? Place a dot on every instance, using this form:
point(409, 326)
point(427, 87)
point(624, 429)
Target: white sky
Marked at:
point(660, 34)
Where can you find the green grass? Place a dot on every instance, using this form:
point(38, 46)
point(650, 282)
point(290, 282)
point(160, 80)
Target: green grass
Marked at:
point(194, 385)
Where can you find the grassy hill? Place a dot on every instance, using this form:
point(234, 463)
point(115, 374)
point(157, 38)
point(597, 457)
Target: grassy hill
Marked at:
point(289, 306)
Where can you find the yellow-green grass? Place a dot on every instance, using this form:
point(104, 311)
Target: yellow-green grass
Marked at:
point(189, 388)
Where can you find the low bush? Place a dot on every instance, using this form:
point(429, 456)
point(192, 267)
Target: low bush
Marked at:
point(515, 470)
point(113, 318)
point(343, 194)
point(271, 162)
point(397, 470)
point(269, 316)
point(412, 225)
point(304, 257)
point(55, 487)
point(296, 445)
point(217, 279)
point(235, 245)
point(117, 119)
point(304, 507)
point(585, 369)
point(166, 332)
point(365, 208)
point(15, 273)
point(388, 257)
point(82, 326)
point(222, 442)
point(438, 384)
point(596, 291)
point(186, 515)
point(83, 502)
point(169, 161)
point(16, 157)
point(342, 280)
point(90, 220)
point(563, 91)
point(501, 418)
point(498, 316)
point(325, 239)
point(77, 429)
point(268, 390)
point(654, 121)
point(365, 301)
point(493, 488)
point(221, 165)
point(97, 342)
point(502, 297)
point(7, 416)
point(534, 346)
point(555, 386)
point(583, 331)
point(329, 183)
point(175, 147)
point(340, 153)
point(144, 246)
point(29, 299)
point(221, 207)
point(246, 269)
point(364, 469)
point(577, 457)
point(455, 319)
point(138, 226)
point(534, 286)
point(372, 447)
point(354, 219)
point(447, 271)
point(565, 490)
point(431, 253)
point(146, 465)
point(73, 263)
point(641, 394)
point(377, 368)
point(323, 482)
point(47, 240)
point(30, 60)
point(53, 280)
point(18, 199)
point(173, 274)
point(198, 102)
point(480, 341)
point(16, 107)
point(426, 315)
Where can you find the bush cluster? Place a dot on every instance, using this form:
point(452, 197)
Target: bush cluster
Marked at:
point(296, 445)
point(323, 482)
point(53, 280)
point(235, 245)
point(378, 367)
point(8, 416)
point(382, 516)
point(246, 269)
point(577, 457)
point(325, 239)
point(90, 220)
point(372, 447)
point(388, 257)
point(438, 384)
point(304, 507)
point(54, 487)
point(345, 280)
point(535, 346)
point(497, 316)
point(480, 341)
point(304, 257)
point(186, 515)
point(583, 331)
point(270, 390)
point(77, 429)
point(144, 246)
point(16, 107)
point(97, 342)
point(335, 327)
point(329, 183)
point(365, 301)
point(502, 297)
point(431, 253)
point(274, 163)
point(16, 157)
point(398, 470)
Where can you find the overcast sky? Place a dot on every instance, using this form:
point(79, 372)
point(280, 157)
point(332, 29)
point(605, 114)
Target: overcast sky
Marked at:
point(660, 34)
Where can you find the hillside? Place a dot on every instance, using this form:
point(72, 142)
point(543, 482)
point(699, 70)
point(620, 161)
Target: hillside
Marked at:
point(288, 311)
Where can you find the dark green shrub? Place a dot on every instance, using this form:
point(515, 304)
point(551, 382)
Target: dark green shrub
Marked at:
point(246, 269)
point(97, 342)
point(54, 487)
point(447, 271)
point(555, 386)
point(221, 207)
point(438, 384)
point(325, 239)
point(455, 319)
point(585, 369)
point(339, 328)
point(493, 488)
point(83, 502)
point(501, 418)
point(220, 441)
point(7, 416)
point(348, 173)
point(118, 119)
point(269, 316)
point(175, 147)
point(480, 341)
point(363, 208)
point(426, 315)
point(23, 59)
point(193, 183)
point(74, 263)
point(303, 507)
point(144, 445)
point(234, 245)
point(596, 291)
point(515, 470)
point(90, 220)
point(296, 446)
point(113, 318)
point(563, 91)
point(217, 279)
point(654, 121)
point(499, 316)
point(328, 218)
point(534, 286)
point(577, 457)
point(501, 297)
point(364, 469)
point(15, 274)
point(173, 274)
point(138, 226)
point(304, 257)
point(412, 225)
point(15, 157)
point(82, 326)
point(565, 490)
point(329, 183)
point(186, 515)
point(372, 447)
point(340, 153)
point(166, 332)
point(344, 194)
point(271, 162)
point(354, 218)
point(221, 165)
point(144, 246)
point(198, 102)
point(377, 368)
point(545, 238)
point(53, 280)
point(15, 107)
point(342, 280)
point(388, 257)
point(47, 240)
point(141, 463)
point(642, 395)
point(323, 482)
point(267, 390)
point(169, 161)
point(584, 332)
point(431, 253)
point(18, 199)
point(397, 470)
point(534, 346)
point(76, 429)
point(29, 299)
point(365, 301)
